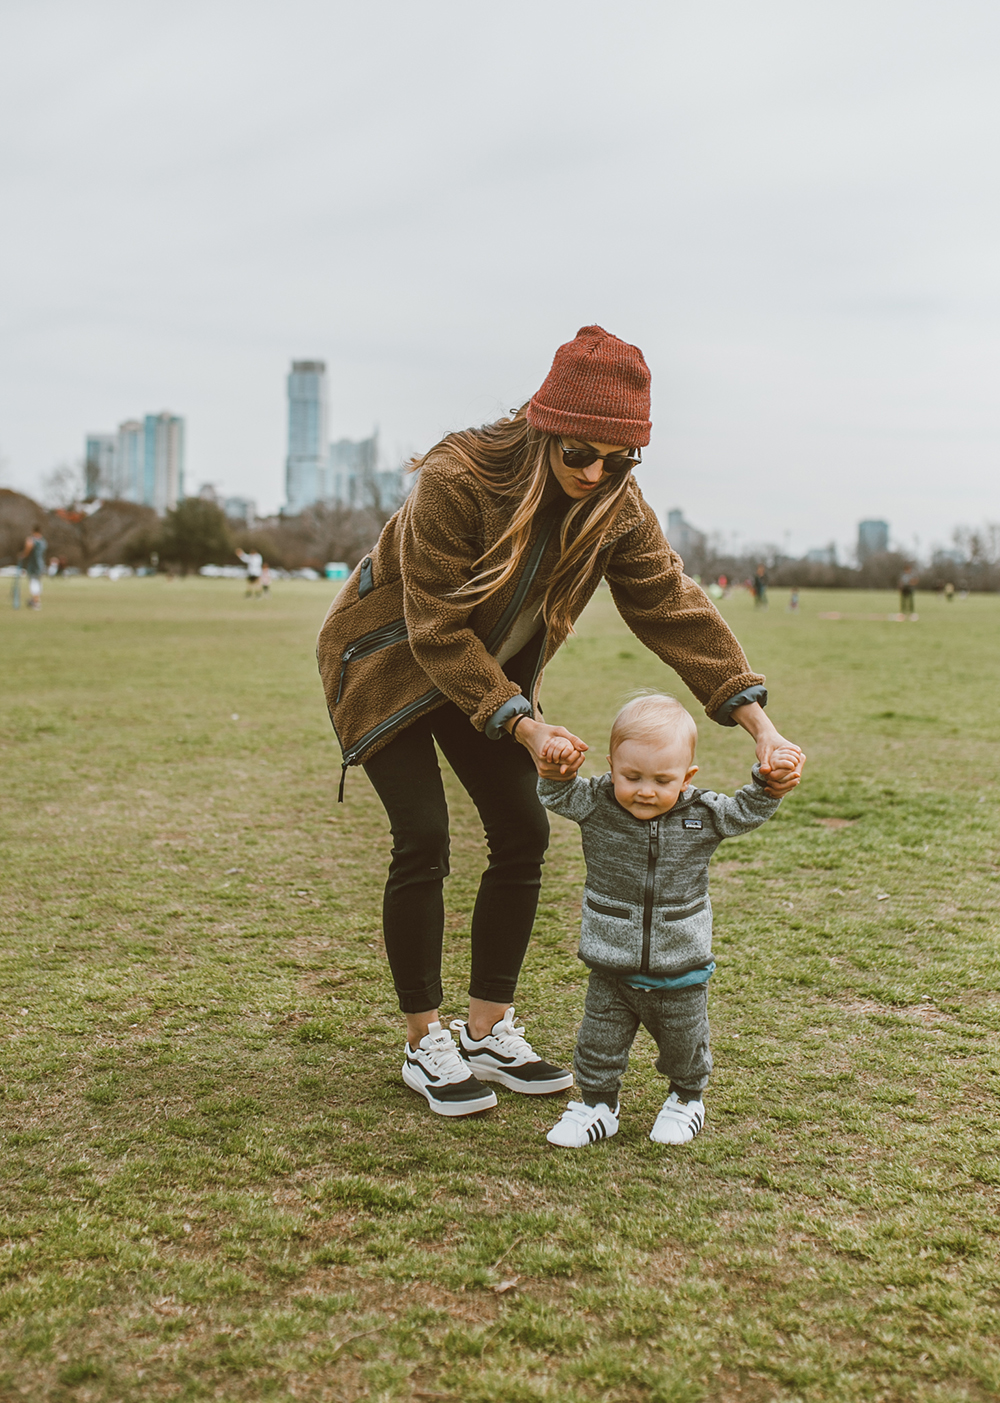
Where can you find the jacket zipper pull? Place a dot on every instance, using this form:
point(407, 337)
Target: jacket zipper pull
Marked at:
point(343, 777)
point(345, 658)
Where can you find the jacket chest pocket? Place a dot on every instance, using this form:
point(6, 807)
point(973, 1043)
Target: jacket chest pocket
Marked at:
point(367, 644)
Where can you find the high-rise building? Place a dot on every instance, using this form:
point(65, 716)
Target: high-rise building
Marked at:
point(306, 466)
point(143, 462)
point(353, 465)
point(163, 461)
point(130, 461)
point(873, 538)
point(99, 466)
point(686, 539)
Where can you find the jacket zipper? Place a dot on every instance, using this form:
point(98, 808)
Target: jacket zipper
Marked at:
point(379, 638)
point(395, 632)
point(538, 668)
point(647, 900)
point(390, 723)
point(503, 625)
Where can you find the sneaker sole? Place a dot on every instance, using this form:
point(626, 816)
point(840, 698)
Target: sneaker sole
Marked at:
point(527, 1088)
point(450, 1108)
point(661, 1140)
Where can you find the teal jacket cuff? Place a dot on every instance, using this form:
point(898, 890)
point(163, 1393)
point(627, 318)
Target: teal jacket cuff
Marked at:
point(517, 706)
point(757, 694)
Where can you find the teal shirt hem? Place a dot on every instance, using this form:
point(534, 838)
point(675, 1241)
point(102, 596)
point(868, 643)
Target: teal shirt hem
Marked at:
point(670, 981)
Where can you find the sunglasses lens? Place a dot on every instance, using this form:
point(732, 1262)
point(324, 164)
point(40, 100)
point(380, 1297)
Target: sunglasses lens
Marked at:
point(583, 457)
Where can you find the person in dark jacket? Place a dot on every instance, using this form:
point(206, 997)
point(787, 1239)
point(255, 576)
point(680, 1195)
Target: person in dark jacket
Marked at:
point(442, 634)
point(646, 935)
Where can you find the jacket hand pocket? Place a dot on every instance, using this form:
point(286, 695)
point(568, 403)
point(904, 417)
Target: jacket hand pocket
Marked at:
point(610, 933)
point(681, 938)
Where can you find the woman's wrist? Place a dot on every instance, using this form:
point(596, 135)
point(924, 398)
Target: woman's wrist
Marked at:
point(754, 719)
point(520, 727)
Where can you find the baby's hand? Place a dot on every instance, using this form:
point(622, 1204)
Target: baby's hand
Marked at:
point(558, 750)
point(786, 765)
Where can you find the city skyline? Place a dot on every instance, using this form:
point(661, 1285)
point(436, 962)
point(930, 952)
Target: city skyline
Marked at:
point(143, 462)
point(806, 256)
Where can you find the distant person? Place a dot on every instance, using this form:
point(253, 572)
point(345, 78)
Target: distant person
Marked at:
point(32, 562)
point(265, 578)
point(254, 562)
point(949, 592)
point(440, 637)
point(908, 582)
point(759, 586)
point(793, 602)
point(646, 937)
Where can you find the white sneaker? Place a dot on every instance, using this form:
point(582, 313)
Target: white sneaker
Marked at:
point(584, 1125)
point(678, 1121)
point(435, 1069)
point(504, 1055)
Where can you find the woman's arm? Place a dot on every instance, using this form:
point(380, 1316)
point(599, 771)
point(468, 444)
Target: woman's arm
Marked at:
point(677, 621)
point(779, 759)
point(674, 617)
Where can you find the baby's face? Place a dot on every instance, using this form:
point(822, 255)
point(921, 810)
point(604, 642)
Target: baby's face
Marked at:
point(651, 774)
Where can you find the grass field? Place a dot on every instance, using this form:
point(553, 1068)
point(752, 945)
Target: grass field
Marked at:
point(215, 1184)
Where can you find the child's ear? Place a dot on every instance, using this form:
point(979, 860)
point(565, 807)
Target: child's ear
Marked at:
point(609, 760)
point(690, 774)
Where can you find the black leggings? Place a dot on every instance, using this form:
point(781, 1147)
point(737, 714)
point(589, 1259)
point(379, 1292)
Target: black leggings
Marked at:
point(500, 777)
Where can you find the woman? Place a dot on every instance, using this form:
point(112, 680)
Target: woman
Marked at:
point(442, 634)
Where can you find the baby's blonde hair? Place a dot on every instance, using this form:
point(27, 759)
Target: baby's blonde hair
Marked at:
point(653, 716)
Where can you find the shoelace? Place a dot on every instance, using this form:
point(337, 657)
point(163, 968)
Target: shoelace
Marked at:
point(444, 1057)
point(513, 1037)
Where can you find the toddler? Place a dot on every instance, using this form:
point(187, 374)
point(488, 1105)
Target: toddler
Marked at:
point(646, 933)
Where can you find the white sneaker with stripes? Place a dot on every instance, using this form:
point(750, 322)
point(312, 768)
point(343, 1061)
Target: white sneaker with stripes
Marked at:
point(435, 1069)
point(505, 1056)
point(678, 1121)
point(582, 1125)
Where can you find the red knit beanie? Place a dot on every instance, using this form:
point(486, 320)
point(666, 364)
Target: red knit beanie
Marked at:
point(597, 390)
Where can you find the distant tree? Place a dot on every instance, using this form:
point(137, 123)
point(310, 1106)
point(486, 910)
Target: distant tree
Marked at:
point(98, 531)
point(63, 486)
point(195, 533)
point(18, 514)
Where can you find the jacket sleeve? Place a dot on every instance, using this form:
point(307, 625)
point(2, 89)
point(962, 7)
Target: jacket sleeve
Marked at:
point(439, 550)
point(575, 798)
point(746, 810)
point(674, 617)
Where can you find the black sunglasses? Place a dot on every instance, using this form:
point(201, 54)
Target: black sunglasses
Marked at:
point(613, 463)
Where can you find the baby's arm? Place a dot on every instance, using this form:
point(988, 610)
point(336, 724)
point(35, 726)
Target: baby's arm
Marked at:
point(573, 798)
point(746, 810)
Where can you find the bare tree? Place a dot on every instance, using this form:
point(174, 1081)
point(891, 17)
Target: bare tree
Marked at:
point(63, 486)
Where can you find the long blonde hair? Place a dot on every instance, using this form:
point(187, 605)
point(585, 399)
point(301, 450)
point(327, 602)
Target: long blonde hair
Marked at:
point(512, 459)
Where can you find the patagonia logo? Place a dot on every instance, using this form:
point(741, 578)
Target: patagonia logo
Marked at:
point(693, 823)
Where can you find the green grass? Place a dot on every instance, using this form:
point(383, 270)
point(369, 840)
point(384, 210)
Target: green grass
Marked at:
point(214, 1183)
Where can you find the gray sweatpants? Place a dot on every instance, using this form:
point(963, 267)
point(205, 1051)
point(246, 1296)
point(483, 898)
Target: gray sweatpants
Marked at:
point(676, 1019)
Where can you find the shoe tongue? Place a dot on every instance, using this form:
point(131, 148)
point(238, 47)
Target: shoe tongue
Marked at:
point(504, 1024)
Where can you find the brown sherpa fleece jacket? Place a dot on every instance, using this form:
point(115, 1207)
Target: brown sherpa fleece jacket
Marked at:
point(396, 643)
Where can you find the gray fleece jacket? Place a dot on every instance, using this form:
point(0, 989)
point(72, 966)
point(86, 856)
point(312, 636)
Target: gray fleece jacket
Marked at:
point(646, 908)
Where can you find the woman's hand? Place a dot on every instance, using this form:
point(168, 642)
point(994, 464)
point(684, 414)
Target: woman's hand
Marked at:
point(557, 753)
point(780, 760)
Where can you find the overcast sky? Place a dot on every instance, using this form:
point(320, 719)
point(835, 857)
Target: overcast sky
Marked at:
point(790, 205)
